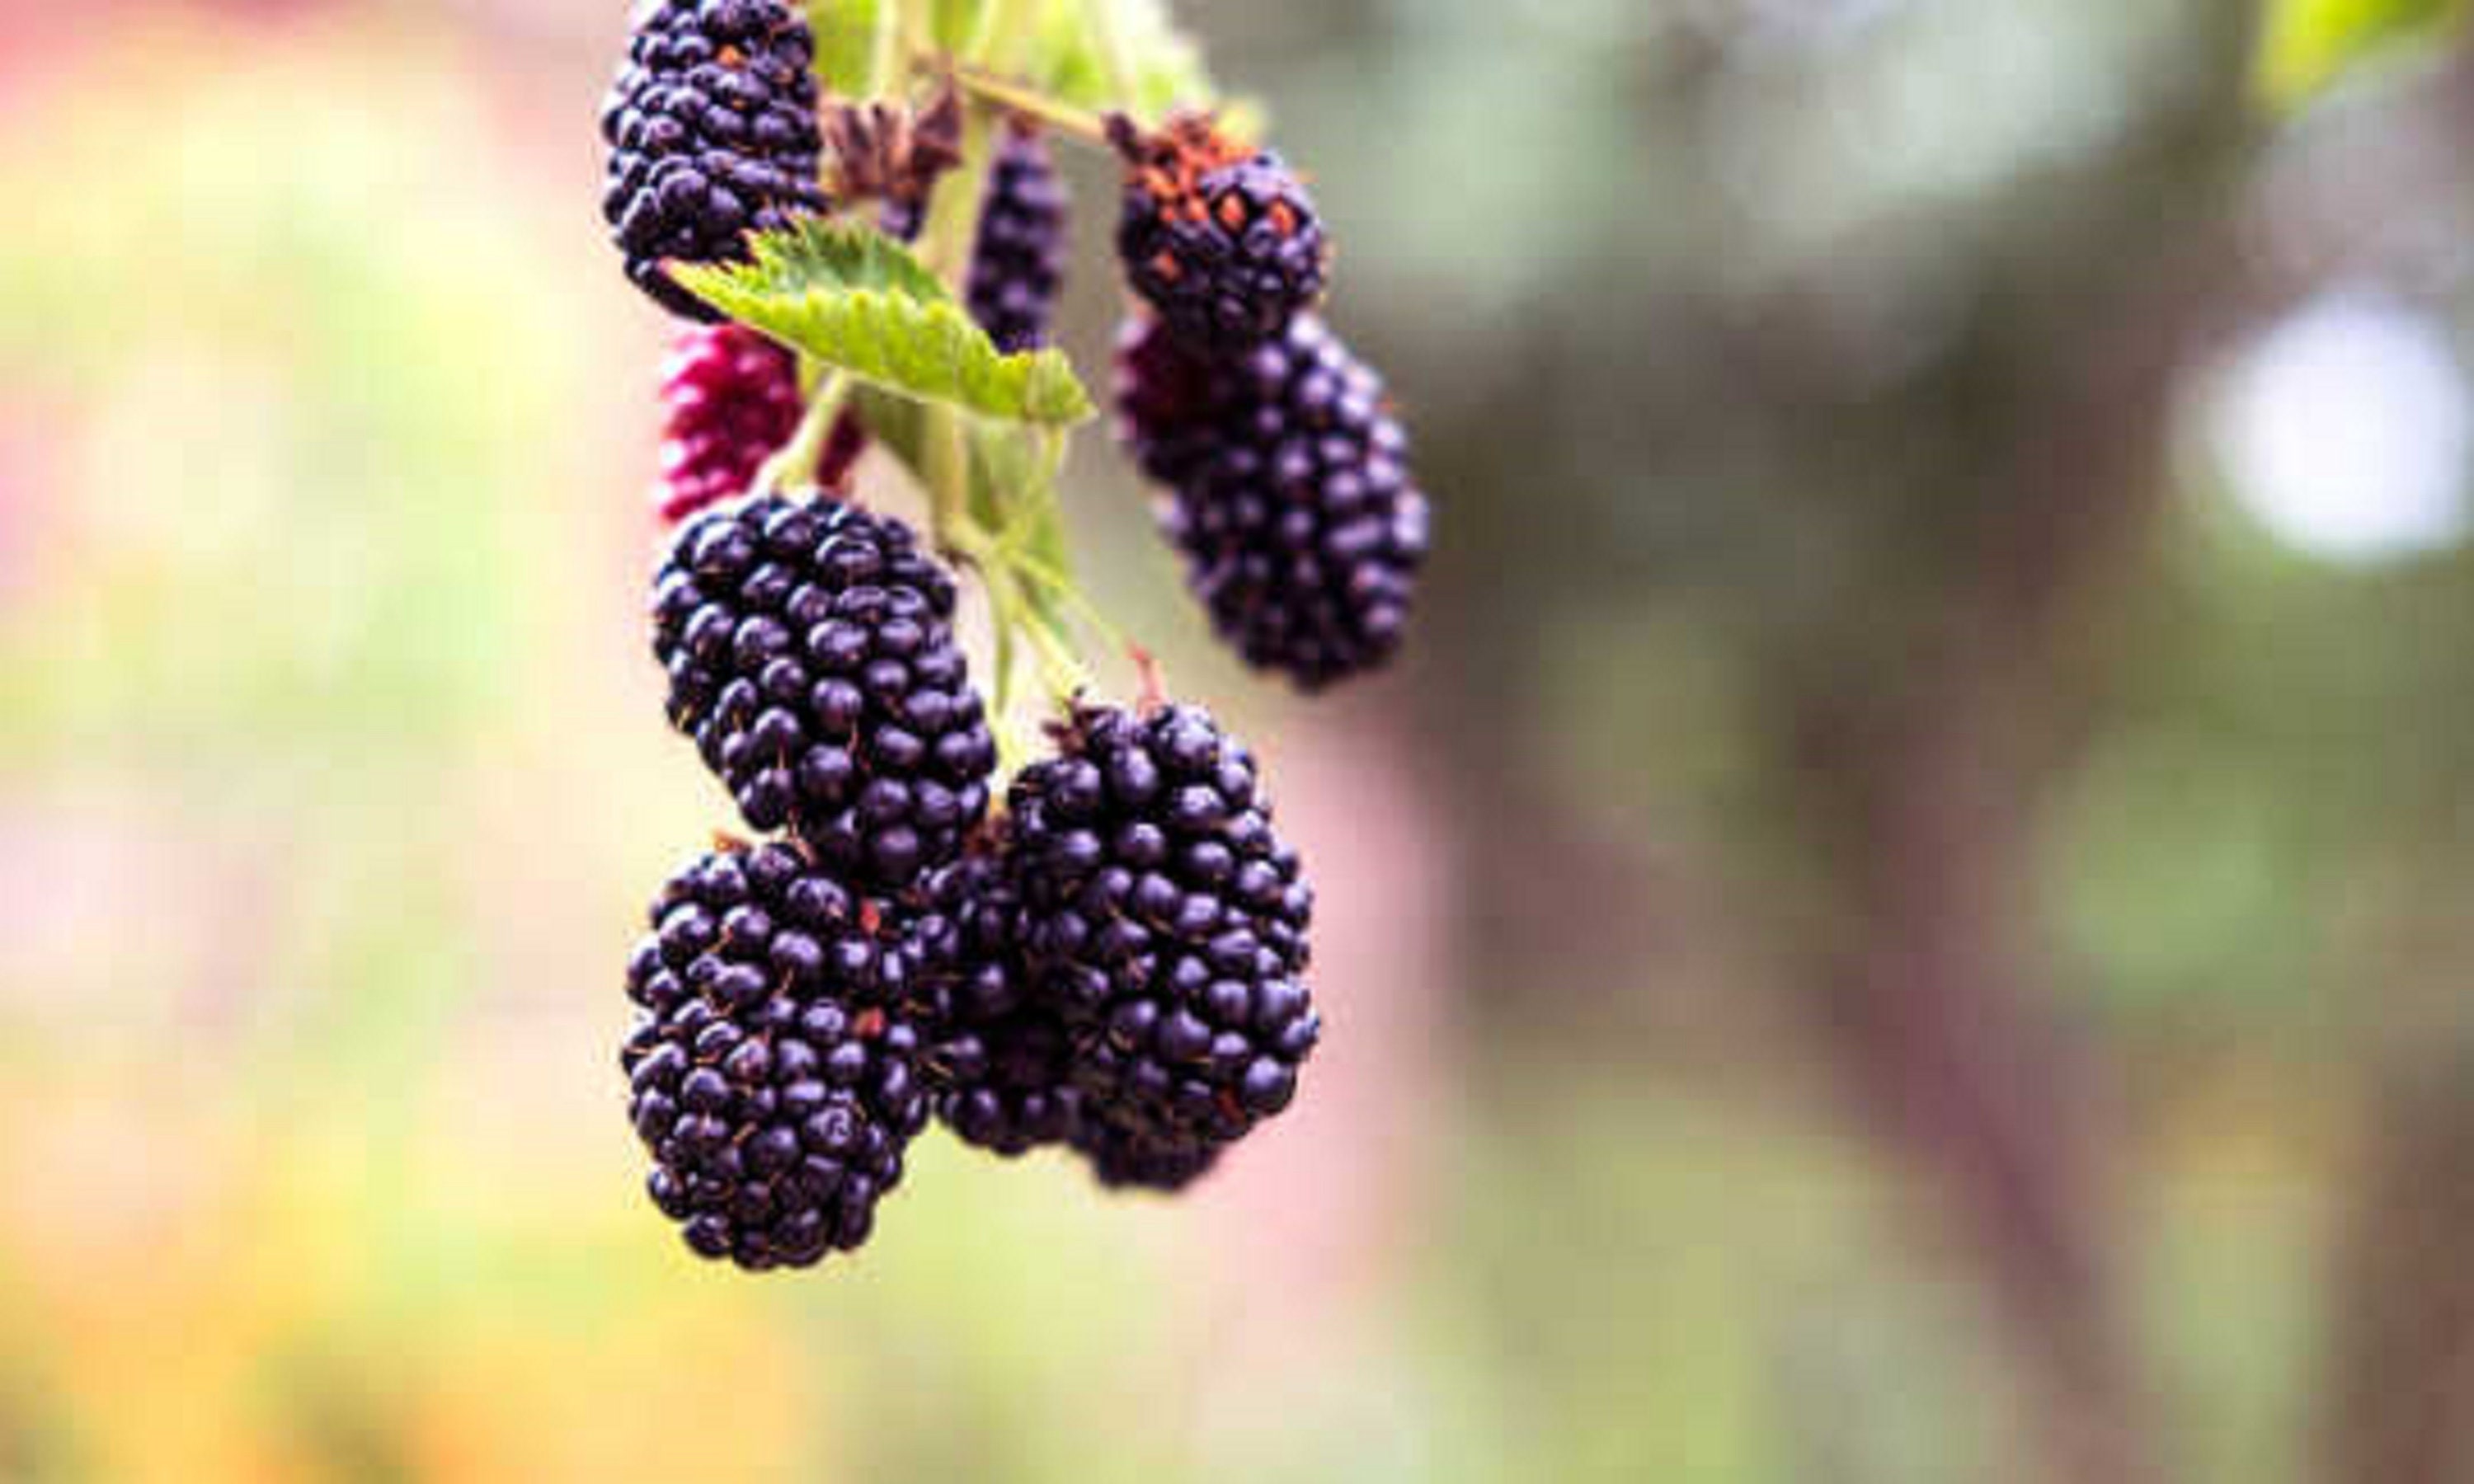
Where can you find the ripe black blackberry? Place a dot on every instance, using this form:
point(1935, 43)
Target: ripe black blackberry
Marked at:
point(1290, 494)
point(1165, 921)
point(1219, 237)
point(1123, 1159)
point(713, 133)
point(1010, 1083)
point(772, 1066)
point(729, 398)
point(1001, 1067)
point(1018, 263)
point(812, 658)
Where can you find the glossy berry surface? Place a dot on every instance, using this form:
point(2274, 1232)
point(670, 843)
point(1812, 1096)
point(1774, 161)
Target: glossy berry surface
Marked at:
point(1289, 494)
point(1003, 1066)
point(1012, 1083)
point(1165, 921)
point(1219, 238)
point(772, 1067)
point(729, 398)
point(713, 133)
point(812, 658)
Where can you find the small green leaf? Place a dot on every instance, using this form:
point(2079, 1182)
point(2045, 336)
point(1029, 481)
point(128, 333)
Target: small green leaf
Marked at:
point(2306, 45)
point(847, 43)
point(856, 300)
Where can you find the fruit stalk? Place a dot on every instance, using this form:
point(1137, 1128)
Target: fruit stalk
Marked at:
point(1056, 113)
point(794, 463)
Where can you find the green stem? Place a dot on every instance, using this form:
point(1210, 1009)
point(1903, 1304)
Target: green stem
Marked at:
point(1060, 669)
point(1057, 114)
point(1063, 587)
point(1008, 577)
point(795, 460)
point(946, 470)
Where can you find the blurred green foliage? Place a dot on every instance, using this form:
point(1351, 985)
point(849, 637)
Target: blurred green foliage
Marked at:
point(2307, 45)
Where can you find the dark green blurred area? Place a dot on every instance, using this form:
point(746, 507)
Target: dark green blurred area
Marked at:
point(1901, 921)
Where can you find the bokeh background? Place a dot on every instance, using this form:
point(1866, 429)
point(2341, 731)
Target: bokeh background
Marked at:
point(1904, 921)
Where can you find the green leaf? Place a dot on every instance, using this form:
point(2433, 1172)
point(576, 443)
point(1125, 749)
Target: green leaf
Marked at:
point(2306, 45)
point(847, 34)
point(1167, 67)
point(856, 300)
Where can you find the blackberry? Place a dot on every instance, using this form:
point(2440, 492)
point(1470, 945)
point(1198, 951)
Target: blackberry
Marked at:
point(1126, 1159)
point(1003, 1066)
point(712, 128)
point(1290, 500)
point(1018, 263)
point(812, 658)
point(772, 1064)
point(1218, 236)
point(1165, 922)
point(730, 398)
point(1011, 1084)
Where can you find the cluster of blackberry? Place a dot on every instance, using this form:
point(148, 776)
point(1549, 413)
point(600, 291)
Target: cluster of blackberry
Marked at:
point(1164, 921)
point(1113, 962)
point(779, 1060)
point(713, 134)
point(1113, 967)
point(1219, 237)
point(1118, 967)
point(774, 1066)
point(1288, 492)
point(812, 658)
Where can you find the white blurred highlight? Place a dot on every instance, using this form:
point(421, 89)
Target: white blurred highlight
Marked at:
point(2344, 430)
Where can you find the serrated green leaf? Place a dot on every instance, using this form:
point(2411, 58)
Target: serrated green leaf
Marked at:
point(2306, 45)
point(1167, 66)
point(858, 302)
point(847, 36)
